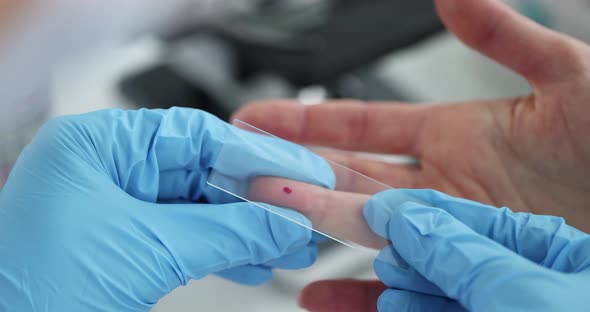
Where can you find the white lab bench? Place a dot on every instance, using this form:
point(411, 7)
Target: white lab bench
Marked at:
point(438, 70)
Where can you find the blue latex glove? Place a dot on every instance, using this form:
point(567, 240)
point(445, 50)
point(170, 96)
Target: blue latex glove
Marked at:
point(100, 212)
point(461, 255)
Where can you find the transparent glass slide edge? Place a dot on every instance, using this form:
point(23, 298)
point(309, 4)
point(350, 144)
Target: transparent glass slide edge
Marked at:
point(335, 214)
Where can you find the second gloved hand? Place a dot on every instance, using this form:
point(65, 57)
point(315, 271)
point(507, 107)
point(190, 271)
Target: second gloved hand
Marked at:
point(110, 211)
point(461, 255)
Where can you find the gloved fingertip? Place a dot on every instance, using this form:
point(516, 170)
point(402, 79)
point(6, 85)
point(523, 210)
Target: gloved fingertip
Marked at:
point(377, 213)
point(259, 280)
point(293, 217)
point(291, 230)
point(386, 303)
point(416, 220)
point(385, 307)
point(389, 259)
point(325, 175)
point(247, 275)
point(380, 209)
point(301, 259)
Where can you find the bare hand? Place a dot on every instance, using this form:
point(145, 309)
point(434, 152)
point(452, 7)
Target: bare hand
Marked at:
point(530, 153)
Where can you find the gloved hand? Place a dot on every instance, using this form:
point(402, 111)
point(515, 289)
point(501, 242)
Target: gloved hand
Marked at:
point(110, 211)
point(461, 255)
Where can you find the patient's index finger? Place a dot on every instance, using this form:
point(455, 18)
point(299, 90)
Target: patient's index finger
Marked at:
point(337, 214)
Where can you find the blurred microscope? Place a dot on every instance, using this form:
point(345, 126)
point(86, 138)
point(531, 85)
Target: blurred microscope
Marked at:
point(304, 49)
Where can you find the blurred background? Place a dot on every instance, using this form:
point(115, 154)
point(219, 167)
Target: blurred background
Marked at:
point(386, 50)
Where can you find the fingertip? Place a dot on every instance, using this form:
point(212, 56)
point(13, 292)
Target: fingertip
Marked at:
point(387, 302)
point(341, 296)
point(314, 297)
point(300, 259)
point(381, 207)
point(275, 116)
point(389, 260)
point(248, 112)
point(411, 219)
point(304, 299)
point(494, 29)
point(377, 213)
point(412, 226)
point(326, 175)
point(449, 9)
point(396, 273)
point(445, 7)
point(248, 275)
point(291, 230)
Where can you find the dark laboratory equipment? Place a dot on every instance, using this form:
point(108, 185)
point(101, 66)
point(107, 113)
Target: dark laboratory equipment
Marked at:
point(279, 50)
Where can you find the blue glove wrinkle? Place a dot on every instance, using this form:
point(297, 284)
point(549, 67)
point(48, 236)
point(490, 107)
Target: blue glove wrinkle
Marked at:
point(390, 257)
point(187, 169)
point(461, 247)
point(577, 256)
point(403, 276)
point(400, 300)
point(134, 139)
point(114, 147)
point(379, 209)
point(253, 275)
point(284, 230)
point(493, 222)
point(430, 238)
point(299, 259)
point(231, 240)
point(250, 275)
point(528, 237)
point(558, 241)
point(58, 142)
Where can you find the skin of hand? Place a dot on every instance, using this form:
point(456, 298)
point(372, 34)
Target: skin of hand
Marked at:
point(529, 153)
point(333, 212)
point(9, 10)
point(6, 7)
point(110, 211)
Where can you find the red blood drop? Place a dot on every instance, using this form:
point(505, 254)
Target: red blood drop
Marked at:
point(287, 190)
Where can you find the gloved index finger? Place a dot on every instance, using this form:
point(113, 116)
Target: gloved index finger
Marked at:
point(166, 155)
point(249, 153)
